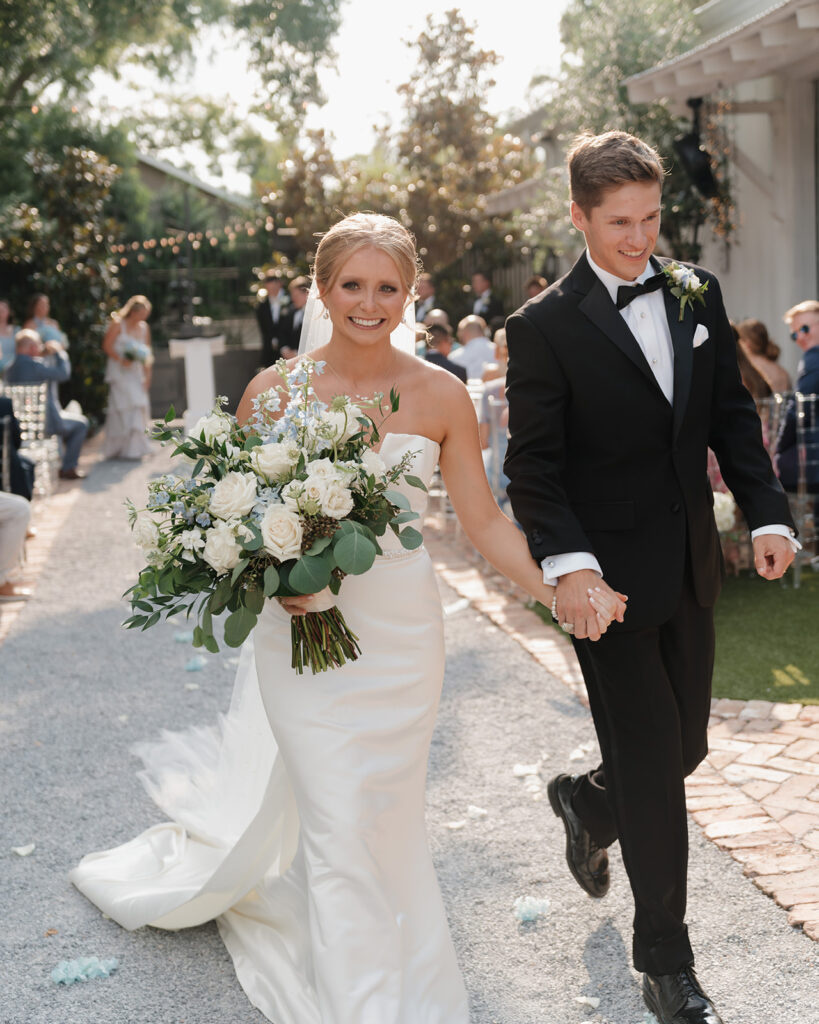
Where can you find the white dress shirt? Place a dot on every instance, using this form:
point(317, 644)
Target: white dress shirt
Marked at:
point(275, 307)
point(645, 317)
point(423, 307)
point(473, 356)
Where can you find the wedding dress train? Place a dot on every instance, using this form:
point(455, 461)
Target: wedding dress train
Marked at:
point(299, 824)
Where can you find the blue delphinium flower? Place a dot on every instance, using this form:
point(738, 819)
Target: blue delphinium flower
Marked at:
point(203, 519)
point(178, 508)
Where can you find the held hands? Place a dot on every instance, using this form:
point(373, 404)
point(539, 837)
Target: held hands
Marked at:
point(772, 555)
point(301, 604)
point(588, 604)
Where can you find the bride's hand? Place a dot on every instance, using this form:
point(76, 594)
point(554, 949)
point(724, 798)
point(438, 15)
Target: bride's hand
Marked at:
point(301, 604)
point(608, 606)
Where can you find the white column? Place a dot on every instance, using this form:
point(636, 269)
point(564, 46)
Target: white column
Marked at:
point(200, 388)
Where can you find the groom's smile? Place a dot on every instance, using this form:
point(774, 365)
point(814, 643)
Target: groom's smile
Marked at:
point(621, 232)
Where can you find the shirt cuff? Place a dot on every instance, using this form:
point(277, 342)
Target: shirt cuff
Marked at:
point(781, 531)
point(555, 566)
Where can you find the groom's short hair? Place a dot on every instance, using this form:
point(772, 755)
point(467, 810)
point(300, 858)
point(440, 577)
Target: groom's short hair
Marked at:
point(599, 163)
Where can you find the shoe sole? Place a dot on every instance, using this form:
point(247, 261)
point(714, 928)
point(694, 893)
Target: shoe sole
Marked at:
point(557, 807)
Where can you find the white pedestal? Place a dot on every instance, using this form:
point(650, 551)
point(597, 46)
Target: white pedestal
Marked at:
point(200, 389)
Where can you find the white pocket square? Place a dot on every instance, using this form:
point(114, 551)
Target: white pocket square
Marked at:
point(700, 335)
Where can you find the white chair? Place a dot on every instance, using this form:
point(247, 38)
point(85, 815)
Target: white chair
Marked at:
point(30, 404)
point(5, 453)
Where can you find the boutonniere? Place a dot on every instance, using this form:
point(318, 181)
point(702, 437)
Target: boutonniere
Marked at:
point(685, 286)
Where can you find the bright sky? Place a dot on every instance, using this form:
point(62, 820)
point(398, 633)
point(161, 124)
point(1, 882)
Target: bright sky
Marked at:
point(372, 61)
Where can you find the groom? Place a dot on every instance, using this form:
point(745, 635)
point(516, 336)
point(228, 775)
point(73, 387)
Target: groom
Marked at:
point(616, 390)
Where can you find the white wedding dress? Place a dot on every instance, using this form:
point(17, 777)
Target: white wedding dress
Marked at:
point(299, 824)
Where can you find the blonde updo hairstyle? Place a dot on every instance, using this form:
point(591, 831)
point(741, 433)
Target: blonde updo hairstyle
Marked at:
point(360, 230)
point(131, 304)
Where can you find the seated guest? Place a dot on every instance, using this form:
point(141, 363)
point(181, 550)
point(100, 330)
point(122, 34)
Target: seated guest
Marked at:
point(477, 349)
point(763, 354)
point(15, 513)
point(37, 362)
point(497, 369)
point(486, 304)
point(21, 469)
point(436, 316)
point(298, 289)
point(439, 345)
point(493, 418)
point(754, 382)
point(38, 319)
point(803, 321)
point(425, 289)
point(7, 333)
point(535, 285)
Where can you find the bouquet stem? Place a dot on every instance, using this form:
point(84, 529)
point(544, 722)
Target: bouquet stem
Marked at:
point(322, 640)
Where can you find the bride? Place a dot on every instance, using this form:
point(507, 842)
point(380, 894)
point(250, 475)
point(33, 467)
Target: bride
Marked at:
point(300, 825)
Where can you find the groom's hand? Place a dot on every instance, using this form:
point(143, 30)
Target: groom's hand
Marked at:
point(772, 555)
point(573, 602)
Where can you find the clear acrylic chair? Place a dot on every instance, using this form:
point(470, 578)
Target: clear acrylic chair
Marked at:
point(30, 403)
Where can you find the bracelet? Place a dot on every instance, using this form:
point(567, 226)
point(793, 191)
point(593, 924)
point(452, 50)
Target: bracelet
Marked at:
point(553, 608)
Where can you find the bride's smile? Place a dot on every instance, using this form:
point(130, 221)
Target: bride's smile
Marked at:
point(367, 297)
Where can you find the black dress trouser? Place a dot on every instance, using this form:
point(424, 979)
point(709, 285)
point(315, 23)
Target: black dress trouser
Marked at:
point(650, 697)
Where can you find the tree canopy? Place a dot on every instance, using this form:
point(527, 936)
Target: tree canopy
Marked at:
point(52, 47)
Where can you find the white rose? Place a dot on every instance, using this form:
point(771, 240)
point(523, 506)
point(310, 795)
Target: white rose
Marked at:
point(322, 469)
point(146, 532)
point(281, 532)
point(215, 427)
point(221, 549)
point(373, 463)
point(338, 502)
point(273, 460)
point(234, 496)
point(315, 488)
point(693, 281)
point(342, 423)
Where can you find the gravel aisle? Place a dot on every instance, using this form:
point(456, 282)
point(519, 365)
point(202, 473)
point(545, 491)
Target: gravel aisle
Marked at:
point(77, 691)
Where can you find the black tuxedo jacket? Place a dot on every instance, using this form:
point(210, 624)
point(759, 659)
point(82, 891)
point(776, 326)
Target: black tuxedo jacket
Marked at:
point(441, 360)
point(273, 335)
point(490, 309)
point(600, 461)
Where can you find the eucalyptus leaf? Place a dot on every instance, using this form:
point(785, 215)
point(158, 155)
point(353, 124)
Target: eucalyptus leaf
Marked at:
point(397, 498)
point(271, 580)
point(255, 541)
point(252, 442)
point(238, 626)
point(211, 644)
point(221, 595)
point(241, 565)
point(318, 545)
point(254, 599)
point(310, 574)
point(198, 636)
point(413, 481)
point(410, 539)
point(354, 554)
point(404, 517)
point(170, 414)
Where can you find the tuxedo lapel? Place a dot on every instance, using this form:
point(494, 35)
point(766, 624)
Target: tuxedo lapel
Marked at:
point(598, 307)
point(682, 341)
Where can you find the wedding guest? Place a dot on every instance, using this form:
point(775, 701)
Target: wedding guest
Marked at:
point(439, 346)
point(535, 285)
point(803, 321)
point(270, 316)
point(497, 369)
point(477, 350)
point(425, 290)
point(127, 345)
point(437, 316)
point(15, 513)
point(39, 320)
point(486, 304)
point(298, 289)
point(763, 354)
point(7, 333)
point(37, 362)
point(21, 469)
point(753, 380)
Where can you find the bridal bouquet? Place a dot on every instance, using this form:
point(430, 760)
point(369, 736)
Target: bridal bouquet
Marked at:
point(278, 507)
point(135, 352)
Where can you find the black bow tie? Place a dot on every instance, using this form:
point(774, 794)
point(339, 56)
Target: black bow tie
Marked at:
point(627, 292)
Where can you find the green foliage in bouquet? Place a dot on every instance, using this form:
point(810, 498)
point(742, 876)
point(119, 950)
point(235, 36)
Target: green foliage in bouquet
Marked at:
point(282, 506)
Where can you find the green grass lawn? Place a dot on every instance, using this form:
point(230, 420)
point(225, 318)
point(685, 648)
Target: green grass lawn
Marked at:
point(767, 639)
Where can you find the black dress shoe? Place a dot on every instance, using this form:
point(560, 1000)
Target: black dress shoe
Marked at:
point(72, 474)
point(678, 998)
point(588, 862)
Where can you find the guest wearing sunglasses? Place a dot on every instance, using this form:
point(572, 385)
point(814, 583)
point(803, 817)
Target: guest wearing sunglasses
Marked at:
point(803, 321)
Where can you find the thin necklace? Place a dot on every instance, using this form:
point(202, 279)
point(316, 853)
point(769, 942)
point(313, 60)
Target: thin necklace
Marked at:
point(351, 390)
